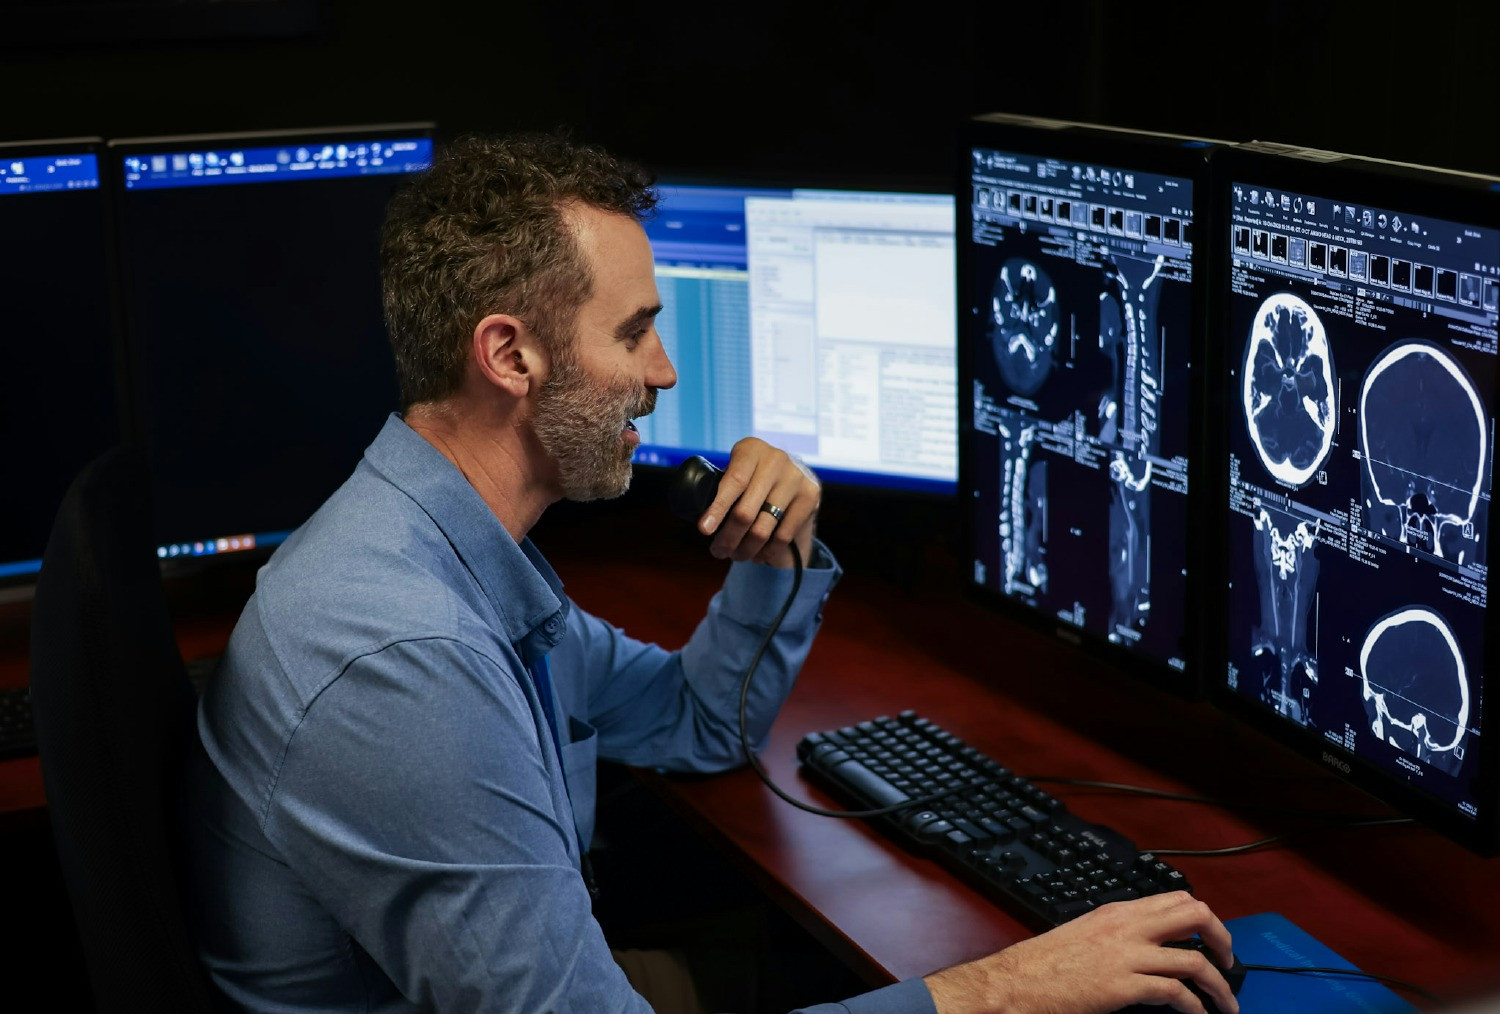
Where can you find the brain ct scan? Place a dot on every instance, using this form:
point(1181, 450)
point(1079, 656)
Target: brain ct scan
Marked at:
point(1289, 389)
point(1424, 442)
point(1025, 313)
point(1360, 473)
point(1416, 687)
point(1080, 294)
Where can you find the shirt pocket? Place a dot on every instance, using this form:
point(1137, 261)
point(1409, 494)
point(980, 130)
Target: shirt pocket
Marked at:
point(580, 761)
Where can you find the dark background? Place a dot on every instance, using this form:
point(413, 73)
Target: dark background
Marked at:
point(770, 84)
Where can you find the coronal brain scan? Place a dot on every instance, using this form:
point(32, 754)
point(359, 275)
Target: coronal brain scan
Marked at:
point(1024, 308)
point(1424, 442)
point(1415, 687)
point(1289, 391)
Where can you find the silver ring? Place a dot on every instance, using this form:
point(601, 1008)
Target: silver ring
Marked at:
point(769, 508)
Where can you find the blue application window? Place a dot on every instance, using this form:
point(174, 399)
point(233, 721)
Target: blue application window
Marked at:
point(820, 320)
point(702, 273)
point(230, 162)
point(22, 172)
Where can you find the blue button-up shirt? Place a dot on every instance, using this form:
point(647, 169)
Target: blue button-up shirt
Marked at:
point(382, 817)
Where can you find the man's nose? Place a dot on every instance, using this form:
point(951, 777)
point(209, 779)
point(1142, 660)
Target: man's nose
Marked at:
point(661, 374)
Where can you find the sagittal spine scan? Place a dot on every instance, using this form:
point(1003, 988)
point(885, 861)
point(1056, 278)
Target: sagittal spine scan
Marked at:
point(1024, 308)
point(1127, 315)
point(1023, 515)
point(1289, 389)
point(1415, 687)
point(1423, 440)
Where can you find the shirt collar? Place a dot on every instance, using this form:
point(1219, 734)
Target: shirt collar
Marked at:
point(524, 590)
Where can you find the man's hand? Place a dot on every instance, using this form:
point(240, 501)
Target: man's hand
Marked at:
point(1102, 961)
point(761, 476)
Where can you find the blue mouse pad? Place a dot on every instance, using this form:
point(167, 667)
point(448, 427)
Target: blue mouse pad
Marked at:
point(1271, 939)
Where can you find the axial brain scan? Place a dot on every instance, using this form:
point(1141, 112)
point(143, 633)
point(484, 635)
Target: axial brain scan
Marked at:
point(1423, 440)
point(1024, 307)
point(1289, 389)
point(1416, 690)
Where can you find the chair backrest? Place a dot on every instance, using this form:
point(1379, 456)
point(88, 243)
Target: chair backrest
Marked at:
point(113, 708)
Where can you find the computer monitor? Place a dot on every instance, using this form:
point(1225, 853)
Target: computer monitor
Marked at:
point(1356, 386)
point(819, 318)
point(58, 371)
point(252, 290)
point(1081, 323)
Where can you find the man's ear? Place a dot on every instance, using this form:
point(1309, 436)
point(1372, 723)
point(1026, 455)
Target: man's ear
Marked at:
point(506, 354)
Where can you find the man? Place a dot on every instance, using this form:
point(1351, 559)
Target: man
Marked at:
point(393, 798)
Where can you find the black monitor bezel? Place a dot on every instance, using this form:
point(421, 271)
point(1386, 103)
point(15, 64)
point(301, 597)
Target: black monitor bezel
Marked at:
point(1167, 154)
point(840, 484)
point(135, 356)
point(20, 586)
point(1437, 193)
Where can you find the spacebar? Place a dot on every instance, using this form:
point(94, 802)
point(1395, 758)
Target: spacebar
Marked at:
point(855, 776)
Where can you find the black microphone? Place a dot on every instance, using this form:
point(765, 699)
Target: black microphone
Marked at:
point(694, 486)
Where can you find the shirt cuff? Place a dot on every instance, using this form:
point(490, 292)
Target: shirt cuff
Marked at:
point(754, 592)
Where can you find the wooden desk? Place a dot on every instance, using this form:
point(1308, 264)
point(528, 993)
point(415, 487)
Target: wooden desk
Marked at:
point(1400, 901)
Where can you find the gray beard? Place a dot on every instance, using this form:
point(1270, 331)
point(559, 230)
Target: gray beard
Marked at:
point(579, 422)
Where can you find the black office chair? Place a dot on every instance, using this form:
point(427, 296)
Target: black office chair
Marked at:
point(113, 708)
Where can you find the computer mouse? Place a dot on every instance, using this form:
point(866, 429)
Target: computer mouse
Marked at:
point(1234, 974)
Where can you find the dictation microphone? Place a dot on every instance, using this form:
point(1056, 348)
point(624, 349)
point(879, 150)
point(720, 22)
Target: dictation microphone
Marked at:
point(694, 486)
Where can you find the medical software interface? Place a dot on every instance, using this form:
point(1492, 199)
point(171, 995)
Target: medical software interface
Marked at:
point(1361, 372)
point(252, 282)
point(1078, 330)
point(821, 321)
point(59, 326)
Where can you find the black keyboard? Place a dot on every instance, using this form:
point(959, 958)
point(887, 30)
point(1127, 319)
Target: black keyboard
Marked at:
point(1017, 844)
point(17, 730)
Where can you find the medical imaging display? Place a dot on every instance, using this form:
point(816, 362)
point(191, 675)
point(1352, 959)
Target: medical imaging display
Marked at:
point(1078, 334)
point(1360, 356)
point(59, 403)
